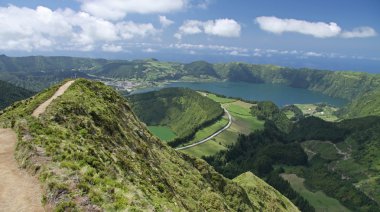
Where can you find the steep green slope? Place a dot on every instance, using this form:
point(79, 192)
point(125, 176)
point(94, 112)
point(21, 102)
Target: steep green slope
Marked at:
point(200, 68)
point(10, 94)
point(182, 110)
point(367, 104)
point(258, 189)
point(91, 153)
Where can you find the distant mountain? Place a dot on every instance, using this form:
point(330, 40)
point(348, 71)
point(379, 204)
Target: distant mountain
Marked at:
point(183, 110)
point(92, 153)
point(11, 93)
point(36, 73)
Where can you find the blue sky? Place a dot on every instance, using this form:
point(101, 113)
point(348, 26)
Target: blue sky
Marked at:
point(339, 35)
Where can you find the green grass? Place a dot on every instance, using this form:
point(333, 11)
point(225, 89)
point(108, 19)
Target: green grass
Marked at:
point(325, 149)
point(327, 113)
point(254, 187)
point(162, 132)
point(220, 99)
point(207, 131)
point(238, 110)
point(211, 147)
point(242, 122)
point(289, 114)
point(95, 152)
point(319, 200)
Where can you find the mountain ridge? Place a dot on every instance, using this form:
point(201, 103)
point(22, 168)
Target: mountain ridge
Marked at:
point(91, 153)
point(44, 71)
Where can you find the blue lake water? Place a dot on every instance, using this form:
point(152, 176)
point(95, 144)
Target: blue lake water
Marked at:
point(279, 94)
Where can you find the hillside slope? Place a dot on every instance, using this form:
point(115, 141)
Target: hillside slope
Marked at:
point(256, 187)
point(367, 104)
point(91, 153)
point(182, 110)
point(11, 93)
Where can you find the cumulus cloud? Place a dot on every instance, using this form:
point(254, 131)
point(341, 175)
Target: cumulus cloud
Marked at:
point(29, 29)
point(165, 22)
point(219, 27)
point(118, 9)
point(359, 32)
point(128, 30)
point(313, 54)
point(203, 4)
point(316, 29)
point(112, 48)
point(149, 50)
point(218, 49)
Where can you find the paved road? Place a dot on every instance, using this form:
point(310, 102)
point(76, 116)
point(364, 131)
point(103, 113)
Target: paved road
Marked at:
point(211, 136)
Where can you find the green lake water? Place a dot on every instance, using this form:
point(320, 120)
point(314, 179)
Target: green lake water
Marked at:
point(279, 94)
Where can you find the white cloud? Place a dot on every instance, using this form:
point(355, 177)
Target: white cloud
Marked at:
point(313, 54)
point(223, 27)
point(130, 29)
point(118, 9)
point(112, 48)
point(207, 47)
point(203, 4)
point(360, 32)
point(191, 27)
point(237, 53)
point(149, 50)
point(29, 29)
point(316, 29)
point(218, 27)
point(165, 22)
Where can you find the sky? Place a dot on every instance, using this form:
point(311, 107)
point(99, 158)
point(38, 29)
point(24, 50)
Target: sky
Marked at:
point(324, 34)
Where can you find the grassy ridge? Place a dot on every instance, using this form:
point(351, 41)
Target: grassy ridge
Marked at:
point(91, 153)
point(255, 187)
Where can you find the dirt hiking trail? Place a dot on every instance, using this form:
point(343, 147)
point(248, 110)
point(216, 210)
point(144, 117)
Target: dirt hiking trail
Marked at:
point(41, 109)
point(19, 191)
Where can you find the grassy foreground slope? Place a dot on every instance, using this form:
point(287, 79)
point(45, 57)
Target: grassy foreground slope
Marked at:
point(91, 153)
point(11, 93)
point(182, 110)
